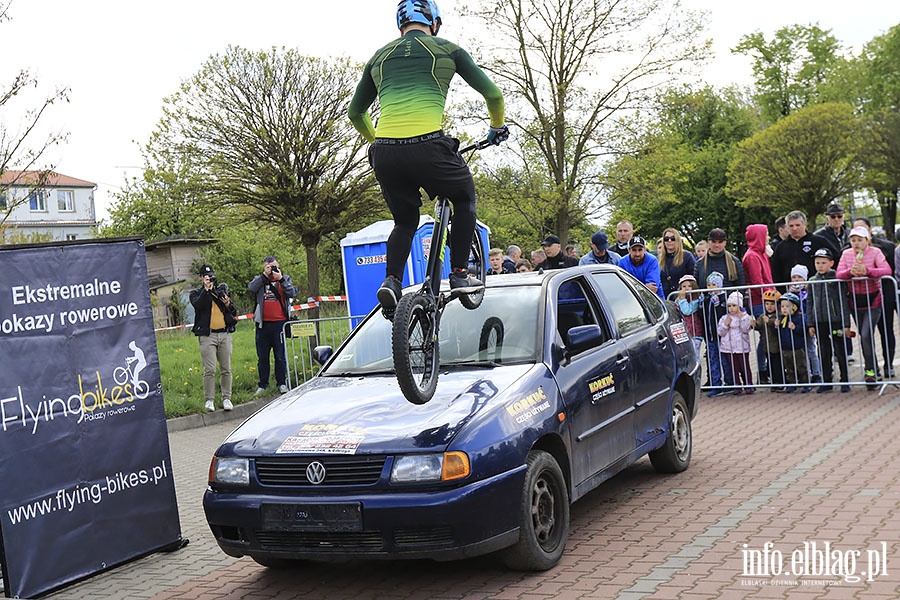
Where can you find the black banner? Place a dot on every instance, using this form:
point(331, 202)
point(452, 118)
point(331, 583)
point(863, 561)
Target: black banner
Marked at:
point(85, 469)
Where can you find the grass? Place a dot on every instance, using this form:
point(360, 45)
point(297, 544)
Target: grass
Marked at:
point(181, 370)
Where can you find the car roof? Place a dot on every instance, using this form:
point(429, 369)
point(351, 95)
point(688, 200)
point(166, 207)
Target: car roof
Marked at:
point(532, 278)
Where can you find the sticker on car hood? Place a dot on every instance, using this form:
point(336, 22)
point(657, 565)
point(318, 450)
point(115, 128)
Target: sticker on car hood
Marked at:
point(323, 438)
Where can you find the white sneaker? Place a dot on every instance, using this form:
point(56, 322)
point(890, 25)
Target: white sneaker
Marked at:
point(227, 405)
point(210, 406)
point(260, 391)
point(283, 389)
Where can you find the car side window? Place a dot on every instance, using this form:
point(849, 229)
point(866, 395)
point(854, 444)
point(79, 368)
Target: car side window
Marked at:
point(574, 307)
point(627, 310)
point(652, 302)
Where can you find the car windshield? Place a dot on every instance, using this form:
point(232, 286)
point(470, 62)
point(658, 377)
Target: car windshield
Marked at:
point(503, 330)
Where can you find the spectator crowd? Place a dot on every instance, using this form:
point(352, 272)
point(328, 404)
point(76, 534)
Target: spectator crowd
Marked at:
point(807, 294)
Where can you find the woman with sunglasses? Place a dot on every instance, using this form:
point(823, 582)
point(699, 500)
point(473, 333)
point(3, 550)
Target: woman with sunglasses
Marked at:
point(674, 262)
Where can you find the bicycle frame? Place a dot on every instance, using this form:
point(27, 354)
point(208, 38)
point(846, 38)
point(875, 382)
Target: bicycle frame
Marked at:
point(434, 268)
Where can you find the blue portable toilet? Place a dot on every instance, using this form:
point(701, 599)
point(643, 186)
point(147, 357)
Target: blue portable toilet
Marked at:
point(364, 254)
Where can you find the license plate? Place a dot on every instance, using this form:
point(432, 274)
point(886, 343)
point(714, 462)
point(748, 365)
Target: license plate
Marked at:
point(312, 517)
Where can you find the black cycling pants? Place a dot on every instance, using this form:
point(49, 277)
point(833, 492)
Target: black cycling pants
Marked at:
point(436, 167)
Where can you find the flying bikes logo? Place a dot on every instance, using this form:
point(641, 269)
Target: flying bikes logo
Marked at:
point(128, 387)
point(95, 399)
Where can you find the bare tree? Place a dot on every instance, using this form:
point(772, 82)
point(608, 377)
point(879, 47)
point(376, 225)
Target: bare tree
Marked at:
point(20, 148)
point(567, 67)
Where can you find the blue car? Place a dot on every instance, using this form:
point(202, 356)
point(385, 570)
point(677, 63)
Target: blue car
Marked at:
point(558, 381)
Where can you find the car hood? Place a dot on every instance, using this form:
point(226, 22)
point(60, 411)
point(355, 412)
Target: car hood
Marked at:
point(369, 415)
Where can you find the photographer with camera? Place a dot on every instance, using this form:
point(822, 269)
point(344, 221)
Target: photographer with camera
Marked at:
point(273, 290)
point(214, 321)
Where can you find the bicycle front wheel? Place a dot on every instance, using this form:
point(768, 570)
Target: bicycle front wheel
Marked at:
point(415, 347)
point(478, 267)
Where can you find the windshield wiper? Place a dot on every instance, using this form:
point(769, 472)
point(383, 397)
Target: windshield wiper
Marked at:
point(359, 372)
point(486, 364)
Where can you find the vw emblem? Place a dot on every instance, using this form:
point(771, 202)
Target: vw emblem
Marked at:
point(315, 472)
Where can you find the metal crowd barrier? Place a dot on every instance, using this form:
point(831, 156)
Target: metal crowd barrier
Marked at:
point(875, 339)
point(302, 335)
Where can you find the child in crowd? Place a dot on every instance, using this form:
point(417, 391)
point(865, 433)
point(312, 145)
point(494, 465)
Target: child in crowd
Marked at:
point(792, 336)
point(799, 273)
point(495, 258)
point(701, 249)
point(862, 260)
point(767, 322)
point(734, 342)
point(689, 302)
point(713, 310)
point(828, 319)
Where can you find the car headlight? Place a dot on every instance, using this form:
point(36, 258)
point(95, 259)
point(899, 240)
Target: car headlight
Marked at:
point(230, 470)
point(419, 468)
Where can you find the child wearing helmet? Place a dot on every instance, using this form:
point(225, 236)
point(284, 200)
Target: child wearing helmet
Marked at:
point(828, 318)
point(689, 302)
point(409, 151)
point(769, 337)
point(714, 309)
point(734, 342)
point(792, 337)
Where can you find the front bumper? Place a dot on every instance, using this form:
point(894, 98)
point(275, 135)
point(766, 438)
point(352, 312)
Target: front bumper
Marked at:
point(464, 521)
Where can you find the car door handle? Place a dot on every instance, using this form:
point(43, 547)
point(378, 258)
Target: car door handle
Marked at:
point(621, 360)
point(662, 340)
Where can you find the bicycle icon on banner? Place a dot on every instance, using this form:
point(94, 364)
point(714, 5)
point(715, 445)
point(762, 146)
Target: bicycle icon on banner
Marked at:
point(130, 373)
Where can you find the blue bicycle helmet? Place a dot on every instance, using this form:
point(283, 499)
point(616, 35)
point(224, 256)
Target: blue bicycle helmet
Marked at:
point(419, 11)
point(791, 297)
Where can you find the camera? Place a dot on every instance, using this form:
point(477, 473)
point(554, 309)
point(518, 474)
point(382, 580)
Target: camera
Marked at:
point(275, 269)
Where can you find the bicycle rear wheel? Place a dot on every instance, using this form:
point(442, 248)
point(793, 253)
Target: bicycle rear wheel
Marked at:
point(477, 267)
point(415, 347)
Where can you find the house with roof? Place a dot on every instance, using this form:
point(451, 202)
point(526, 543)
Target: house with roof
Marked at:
point(58, 205)
point(170, 263)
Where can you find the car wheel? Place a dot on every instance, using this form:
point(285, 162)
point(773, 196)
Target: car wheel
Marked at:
point(675, 455)
point(277, 563)
point(544, 521)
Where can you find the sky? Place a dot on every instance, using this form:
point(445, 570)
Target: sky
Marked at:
point(121, 58)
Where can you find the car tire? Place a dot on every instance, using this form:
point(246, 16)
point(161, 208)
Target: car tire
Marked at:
point(490, 342)
point(675, 455)
point(544, 520)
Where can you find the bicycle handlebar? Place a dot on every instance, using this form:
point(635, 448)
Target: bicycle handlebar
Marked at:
point(476, 146)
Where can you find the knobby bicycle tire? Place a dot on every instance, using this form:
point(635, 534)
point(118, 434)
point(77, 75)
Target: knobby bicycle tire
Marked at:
point(478, 268)
point(415, 347)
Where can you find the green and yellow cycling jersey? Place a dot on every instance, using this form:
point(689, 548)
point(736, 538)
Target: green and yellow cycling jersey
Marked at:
point(411, 77)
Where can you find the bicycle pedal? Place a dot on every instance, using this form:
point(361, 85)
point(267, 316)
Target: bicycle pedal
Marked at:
point(388, 313)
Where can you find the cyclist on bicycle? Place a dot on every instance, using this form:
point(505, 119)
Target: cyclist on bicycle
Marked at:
point(410, 77)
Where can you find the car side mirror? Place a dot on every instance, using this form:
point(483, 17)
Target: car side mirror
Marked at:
point(321, 354)
point(583, 337)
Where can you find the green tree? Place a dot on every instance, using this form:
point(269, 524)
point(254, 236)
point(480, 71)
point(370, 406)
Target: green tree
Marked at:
point(805, 161)
point(167, 201)
point(22, 150)
point(880, 156)
point(675, 175)
point(267, 131)
point(790, 67)
point(566, 67)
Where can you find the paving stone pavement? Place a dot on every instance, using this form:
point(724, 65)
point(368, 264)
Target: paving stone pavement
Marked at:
point(791, 471)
